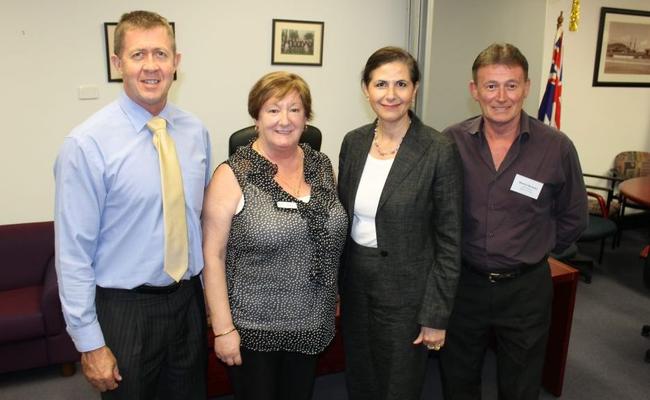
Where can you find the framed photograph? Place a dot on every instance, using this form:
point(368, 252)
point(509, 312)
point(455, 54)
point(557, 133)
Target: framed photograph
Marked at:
point(297, 42)
point(109, 30)
point(623, 50)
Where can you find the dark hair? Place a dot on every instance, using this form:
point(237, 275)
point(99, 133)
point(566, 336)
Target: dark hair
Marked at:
point(387, 55)
point(278, 84)
point(500, 53)
point(140, 20)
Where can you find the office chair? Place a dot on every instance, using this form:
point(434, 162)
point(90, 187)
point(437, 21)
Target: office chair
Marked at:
point(567, 254)
point(242, 137)
point(627, 165)
point(599, 227)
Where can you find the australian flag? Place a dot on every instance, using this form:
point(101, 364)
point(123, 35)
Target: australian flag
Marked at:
point(550, 108)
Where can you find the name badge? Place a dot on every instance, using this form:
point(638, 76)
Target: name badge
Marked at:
point(526, 186)
point(287, 204)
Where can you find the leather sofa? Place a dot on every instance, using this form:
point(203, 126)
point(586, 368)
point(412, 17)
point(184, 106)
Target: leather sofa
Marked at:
point(32, 329)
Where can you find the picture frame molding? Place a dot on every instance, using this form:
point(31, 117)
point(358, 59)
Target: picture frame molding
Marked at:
point(601, 77)
point(280, 57)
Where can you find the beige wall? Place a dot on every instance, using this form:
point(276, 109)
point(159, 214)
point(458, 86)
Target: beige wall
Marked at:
point(602, 121)
point(51, 47)
point(459, 31)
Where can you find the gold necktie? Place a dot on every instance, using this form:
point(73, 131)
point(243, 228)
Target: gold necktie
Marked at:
point(173, 200)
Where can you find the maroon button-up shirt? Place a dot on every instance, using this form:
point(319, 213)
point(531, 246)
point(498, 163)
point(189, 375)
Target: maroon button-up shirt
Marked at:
point(503, 229)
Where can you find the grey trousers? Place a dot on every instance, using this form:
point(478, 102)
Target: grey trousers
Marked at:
point(378, 331)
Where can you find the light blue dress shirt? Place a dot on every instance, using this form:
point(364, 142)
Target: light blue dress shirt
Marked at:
point(108, 207)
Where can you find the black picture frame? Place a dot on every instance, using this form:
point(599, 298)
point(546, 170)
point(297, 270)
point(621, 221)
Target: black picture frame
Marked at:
point(297, 42)
point(109, 30)
point(619, 59)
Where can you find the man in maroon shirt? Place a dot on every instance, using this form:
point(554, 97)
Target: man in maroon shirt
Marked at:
point(524, 197)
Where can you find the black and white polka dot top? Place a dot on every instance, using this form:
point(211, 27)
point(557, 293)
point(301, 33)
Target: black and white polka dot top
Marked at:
point(282, 263)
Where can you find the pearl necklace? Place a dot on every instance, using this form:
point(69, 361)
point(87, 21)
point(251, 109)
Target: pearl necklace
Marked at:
point(375, 142)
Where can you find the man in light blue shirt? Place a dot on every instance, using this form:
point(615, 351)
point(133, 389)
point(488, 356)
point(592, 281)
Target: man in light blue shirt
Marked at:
point(140, 333)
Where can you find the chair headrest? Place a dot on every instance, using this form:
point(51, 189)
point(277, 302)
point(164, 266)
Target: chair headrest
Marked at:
point(242, 137)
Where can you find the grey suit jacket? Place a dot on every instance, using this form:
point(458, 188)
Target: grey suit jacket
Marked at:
point(418, 219)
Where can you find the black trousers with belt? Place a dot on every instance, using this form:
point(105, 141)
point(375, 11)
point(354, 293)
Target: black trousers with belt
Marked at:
point(518, 312)
point(158, 339)
point(378, 331)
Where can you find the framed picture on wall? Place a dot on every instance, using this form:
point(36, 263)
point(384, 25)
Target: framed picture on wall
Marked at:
point(109, 30)
point(623, 50)
point(297, 42)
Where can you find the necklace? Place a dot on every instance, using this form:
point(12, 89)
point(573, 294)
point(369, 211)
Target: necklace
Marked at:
point(375, 142)
point(290, 187)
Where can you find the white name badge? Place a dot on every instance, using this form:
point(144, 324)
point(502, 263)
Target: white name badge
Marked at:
point(287, 204)
point(526, 186)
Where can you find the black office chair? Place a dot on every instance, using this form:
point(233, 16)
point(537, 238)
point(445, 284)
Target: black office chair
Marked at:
point(242, 137)
point(600, 227)
point(567, 254)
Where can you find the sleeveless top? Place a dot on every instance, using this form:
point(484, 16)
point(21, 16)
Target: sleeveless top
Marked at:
point(282, 263)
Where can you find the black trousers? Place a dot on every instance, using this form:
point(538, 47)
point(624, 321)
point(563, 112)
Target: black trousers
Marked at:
point(378, 331)
point(518, 312)
point(274, 375)
point(159, 341)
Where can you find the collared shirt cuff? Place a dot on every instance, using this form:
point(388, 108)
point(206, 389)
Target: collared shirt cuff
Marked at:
point(87, 338)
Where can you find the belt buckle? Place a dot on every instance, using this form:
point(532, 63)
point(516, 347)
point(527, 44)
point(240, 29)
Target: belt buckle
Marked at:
point(495, 277)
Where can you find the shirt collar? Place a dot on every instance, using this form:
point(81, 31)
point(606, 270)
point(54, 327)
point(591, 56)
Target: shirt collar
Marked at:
point(475, 126)
point(524, 125)
point(139, 116)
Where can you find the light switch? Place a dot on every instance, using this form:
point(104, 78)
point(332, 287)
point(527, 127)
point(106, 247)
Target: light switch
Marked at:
point(88, 92)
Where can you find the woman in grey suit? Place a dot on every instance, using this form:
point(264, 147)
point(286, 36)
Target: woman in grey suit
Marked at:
point(401, 184)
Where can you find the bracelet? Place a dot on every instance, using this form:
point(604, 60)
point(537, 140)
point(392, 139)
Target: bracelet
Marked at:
point(226, 332)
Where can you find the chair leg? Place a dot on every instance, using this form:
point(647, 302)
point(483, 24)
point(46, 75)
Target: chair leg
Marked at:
point(602, 250)
point(616, 239)
point(68, 369)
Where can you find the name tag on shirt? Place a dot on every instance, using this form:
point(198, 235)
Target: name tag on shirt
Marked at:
point(526, 186)
point(287, 204)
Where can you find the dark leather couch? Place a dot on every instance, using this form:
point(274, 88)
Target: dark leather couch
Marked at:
point(32, 330)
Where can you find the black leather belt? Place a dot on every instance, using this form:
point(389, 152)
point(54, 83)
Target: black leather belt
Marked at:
point(169, 289)
point(499, 276)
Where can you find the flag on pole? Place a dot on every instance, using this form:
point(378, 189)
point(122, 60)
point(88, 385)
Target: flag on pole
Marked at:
point(551, 106)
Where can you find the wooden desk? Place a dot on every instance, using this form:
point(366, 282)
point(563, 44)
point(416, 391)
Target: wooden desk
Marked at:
point(565, 281)
point(638, 190)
